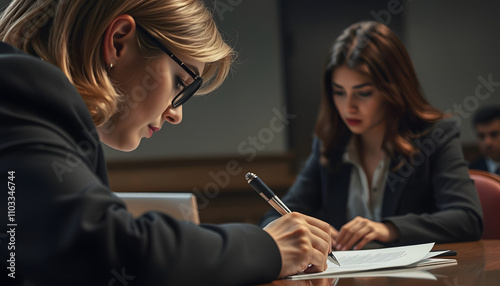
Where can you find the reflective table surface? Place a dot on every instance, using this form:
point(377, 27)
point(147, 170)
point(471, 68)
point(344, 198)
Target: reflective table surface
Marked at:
point(478, 263)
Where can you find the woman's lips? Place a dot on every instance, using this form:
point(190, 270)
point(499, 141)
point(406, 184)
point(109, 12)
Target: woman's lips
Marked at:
point(353, 122)
point(152, 129)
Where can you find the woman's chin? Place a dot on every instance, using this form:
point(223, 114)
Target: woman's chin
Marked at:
point(124, 146)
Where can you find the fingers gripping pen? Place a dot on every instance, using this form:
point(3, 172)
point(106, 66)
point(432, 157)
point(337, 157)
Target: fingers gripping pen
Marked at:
point(265, 192)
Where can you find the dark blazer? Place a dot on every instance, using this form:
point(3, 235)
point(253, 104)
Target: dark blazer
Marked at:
point(479, 164)
point(430, 200)
point(70, 229)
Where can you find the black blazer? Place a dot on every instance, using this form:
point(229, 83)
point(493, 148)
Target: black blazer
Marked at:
point(431, 200)
point(479, 164)
point(70, 229)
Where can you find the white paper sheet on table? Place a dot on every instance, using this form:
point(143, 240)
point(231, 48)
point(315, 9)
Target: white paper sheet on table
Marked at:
point(393, 257)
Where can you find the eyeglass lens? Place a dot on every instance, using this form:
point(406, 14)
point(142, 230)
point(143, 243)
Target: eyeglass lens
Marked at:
point(187, 92)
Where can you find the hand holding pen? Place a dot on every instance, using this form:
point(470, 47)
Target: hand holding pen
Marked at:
point(295, 234)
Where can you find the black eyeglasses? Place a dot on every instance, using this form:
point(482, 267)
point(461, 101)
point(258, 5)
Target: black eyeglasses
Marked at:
point(188, 91)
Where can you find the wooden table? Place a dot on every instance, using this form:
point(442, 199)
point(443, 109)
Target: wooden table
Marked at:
point(478, 264)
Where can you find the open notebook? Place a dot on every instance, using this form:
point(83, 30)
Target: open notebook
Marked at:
point(392, 258)
point(182, 206)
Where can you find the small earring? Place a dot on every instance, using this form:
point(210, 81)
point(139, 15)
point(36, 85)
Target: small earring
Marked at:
point(110, 66)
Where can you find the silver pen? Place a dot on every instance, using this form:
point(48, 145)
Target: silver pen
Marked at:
point(265, 192)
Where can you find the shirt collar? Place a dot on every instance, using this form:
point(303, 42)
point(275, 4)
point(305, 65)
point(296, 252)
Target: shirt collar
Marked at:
point(351, 154)
point(491, 164)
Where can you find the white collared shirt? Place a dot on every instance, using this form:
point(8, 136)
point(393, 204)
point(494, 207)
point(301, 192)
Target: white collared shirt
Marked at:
point(360, 200)
point(491, 165)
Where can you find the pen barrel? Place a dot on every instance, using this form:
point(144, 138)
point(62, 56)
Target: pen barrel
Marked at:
point(279, 206)
point(260, 187)
point(265, 192)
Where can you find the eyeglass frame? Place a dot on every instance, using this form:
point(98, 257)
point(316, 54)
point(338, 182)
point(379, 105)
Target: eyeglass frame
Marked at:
point(191, 88)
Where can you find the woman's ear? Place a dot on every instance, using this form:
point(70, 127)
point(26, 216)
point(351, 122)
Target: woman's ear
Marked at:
point(118, 39)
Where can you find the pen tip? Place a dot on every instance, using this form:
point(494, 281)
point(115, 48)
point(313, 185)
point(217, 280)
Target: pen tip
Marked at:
point(332, 259)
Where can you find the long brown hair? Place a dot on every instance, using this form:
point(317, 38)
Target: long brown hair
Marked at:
point(69, 34)
point(373, 49)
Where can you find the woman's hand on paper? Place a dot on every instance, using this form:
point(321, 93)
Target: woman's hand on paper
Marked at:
point(359, 231)
point(303, 241)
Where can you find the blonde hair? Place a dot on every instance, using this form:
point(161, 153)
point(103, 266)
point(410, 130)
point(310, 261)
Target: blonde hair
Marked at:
point(70, 35)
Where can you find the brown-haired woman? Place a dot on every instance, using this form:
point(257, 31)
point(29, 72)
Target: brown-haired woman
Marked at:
point(385, 165)
point(74, 73)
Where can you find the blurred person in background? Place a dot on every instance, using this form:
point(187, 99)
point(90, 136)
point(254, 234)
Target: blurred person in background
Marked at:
point(486, 124)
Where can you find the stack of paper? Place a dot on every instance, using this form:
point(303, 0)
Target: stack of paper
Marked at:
point(357, 261)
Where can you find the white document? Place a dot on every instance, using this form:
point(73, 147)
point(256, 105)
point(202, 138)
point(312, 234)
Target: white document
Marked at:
point(393, 257)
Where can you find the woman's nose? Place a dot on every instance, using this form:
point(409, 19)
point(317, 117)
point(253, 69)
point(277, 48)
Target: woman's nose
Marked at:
point(173, 115)
point(351, 103)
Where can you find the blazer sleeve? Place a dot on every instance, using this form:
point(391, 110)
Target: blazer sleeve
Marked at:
point(71, 230)
point(457, 214)
point(305, 194)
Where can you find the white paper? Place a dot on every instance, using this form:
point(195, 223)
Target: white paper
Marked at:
point(393, 257)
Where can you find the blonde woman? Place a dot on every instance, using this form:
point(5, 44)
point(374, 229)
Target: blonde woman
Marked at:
point(73, 73)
